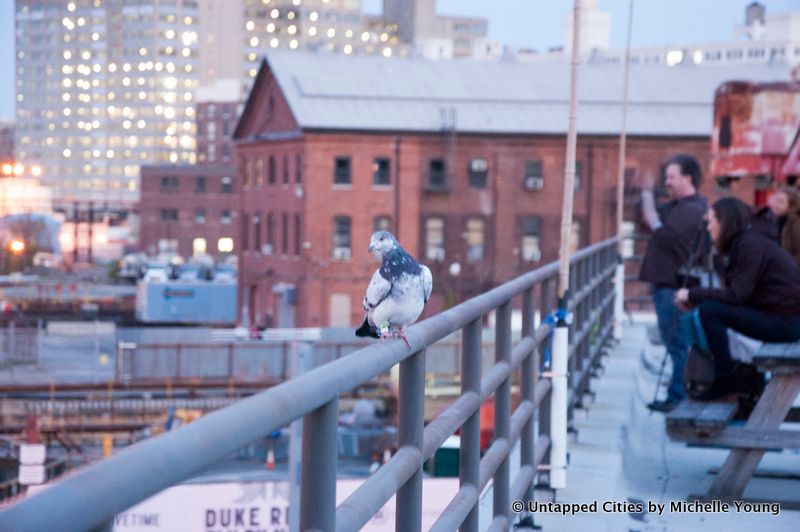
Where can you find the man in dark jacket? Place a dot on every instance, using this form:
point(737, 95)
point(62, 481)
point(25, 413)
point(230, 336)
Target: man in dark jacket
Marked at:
point(677, 229)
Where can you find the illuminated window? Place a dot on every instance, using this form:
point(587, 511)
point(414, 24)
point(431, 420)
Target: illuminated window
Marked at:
point(225, 245)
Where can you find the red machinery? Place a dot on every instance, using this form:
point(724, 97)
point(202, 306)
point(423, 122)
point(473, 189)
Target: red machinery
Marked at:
point(756, 136)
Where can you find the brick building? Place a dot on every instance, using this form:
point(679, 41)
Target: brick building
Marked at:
point(188, 210)
point(192, 209)
point(463, 161)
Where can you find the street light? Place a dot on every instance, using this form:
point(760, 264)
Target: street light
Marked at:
point(18, 169)
point(16, 246)
point(8, 168)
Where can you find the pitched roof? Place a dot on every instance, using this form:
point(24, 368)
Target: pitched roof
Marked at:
point(327, 91)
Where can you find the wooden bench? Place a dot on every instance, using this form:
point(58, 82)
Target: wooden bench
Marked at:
point(707, 423)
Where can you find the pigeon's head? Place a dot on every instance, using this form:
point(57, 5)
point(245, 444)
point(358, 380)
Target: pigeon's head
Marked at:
point(382, 242)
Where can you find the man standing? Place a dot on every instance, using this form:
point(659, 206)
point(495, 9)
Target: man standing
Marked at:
point(677, 229)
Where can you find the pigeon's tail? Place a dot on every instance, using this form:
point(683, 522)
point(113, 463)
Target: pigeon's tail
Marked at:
point(366, 331)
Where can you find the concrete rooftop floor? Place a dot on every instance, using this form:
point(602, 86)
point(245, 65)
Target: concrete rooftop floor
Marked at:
point(622, 453)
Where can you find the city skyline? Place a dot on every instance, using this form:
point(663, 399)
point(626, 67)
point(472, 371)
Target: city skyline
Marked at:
point(654, 25)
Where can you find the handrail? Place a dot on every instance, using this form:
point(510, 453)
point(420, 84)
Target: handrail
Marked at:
point(92, 497)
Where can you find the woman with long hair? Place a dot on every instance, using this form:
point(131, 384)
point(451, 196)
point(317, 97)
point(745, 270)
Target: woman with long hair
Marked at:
point(785, 205)
point(760, 297)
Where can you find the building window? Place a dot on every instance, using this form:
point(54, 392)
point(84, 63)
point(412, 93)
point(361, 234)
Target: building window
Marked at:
point(725, 132)
point(169, 183)
point(341, 238)
point(270, 233)
point(478, 170)
point(298, 235)
point(245, 232)
point(284, 234)
point(167, 246)
point(434, 239)
point(578, 176)
point(169, 215)
point(212, 148)
point(260, 172)
point(225, 245)
point(200, 216)
point(225, 217)
point(382, 223)
point(285, 169)
point(298, 169)
point(475, 238)
point(248, 172)
point(226, 151)
point(272, 170)
point(341, 171)
point(198, 247)
point(257, 233)
point(380, 171)
point(200, 184)
point(227, 184)
point(212, 130)
point(226, 127)
point(531, 231)
point(437, 178)
point(533, 179)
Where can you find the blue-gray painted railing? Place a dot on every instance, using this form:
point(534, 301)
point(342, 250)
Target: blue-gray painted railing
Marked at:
point(91, 498)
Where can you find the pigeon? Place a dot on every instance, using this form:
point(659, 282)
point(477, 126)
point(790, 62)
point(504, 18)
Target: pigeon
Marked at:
point(397, 292)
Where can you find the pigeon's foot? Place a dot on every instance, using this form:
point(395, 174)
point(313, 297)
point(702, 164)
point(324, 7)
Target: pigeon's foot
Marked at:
point(386, 335)
point(402, 334)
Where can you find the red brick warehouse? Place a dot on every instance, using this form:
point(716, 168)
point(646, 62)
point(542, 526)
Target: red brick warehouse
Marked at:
point(462, 160)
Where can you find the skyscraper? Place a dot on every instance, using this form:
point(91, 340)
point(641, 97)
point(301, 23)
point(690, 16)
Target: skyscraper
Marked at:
point(102, 87)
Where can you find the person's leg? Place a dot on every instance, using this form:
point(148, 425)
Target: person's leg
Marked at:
point(673, 337)
point(717, 317)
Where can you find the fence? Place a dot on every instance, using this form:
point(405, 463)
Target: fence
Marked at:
point(92, 497)
point(19, 343)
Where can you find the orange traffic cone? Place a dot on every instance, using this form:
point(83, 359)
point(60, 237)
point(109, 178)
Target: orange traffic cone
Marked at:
point(270, 460)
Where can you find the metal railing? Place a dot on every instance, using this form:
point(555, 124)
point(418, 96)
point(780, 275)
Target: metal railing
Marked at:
point(91, 498)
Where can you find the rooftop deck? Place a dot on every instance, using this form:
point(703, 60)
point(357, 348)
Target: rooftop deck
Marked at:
point(622, 454)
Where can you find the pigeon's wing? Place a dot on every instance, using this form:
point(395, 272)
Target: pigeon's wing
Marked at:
point(427, 282)
point(378, 289)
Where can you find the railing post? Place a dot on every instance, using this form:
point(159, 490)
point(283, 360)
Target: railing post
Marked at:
point(527, 371)
point(470, 452)
point(543, 476)
point(411, 425)
point(318, 468)
point(230, 361)
point(502, 410)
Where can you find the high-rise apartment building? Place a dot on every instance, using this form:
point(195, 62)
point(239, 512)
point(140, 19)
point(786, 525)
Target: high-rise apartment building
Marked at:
point(337, 26)
point(104, 86)
point(7, 129)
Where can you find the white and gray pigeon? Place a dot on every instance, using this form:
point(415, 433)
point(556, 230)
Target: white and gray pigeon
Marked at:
point(397, 292)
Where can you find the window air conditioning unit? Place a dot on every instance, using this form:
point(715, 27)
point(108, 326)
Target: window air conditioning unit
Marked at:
point(341, 253)
point(266, 249)
point(534, 183)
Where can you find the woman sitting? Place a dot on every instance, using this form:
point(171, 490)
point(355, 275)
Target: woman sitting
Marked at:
point(760, 298)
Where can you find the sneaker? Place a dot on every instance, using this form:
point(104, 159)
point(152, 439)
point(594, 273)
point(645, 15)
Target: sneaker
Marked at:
point(667, 405)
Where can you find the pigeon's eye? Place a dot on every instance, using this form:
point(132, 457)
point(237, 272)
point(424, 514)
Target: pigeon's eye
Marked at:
point(382, 238)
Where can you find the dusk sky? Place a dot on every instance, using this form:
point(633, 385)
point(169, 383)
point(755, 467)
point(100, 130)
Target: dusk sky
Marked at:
point(526, 23)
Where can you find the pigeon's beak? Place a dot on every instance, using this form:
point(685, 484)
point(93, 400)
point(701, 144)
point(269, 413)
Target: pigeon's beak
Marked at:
point(371, 248)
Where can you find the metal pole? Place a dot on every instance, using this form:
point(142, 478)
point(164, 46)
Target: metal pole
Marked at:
point(470, 452)
point(619, 278)
point(300, 362)
point(502, 410)
point(527, 390)
point(410, 430)
point(318, 469)
point(569, 166)
point(558, 476)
